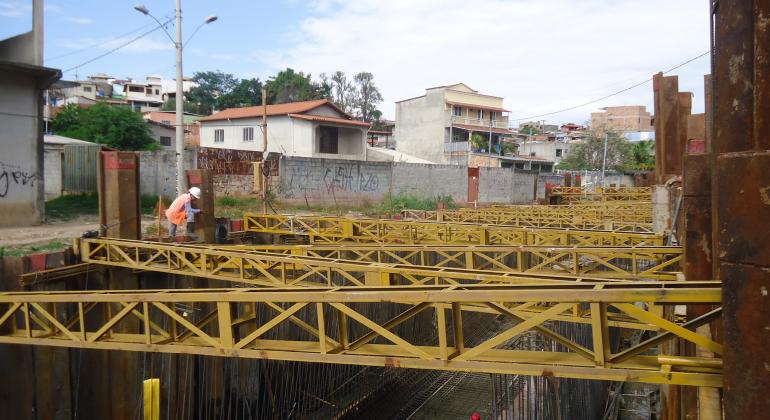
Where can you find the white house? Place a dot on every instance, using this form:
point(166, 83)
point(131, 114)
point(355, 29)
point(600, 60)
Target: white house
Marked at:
point(553, 151)
point(308, 129)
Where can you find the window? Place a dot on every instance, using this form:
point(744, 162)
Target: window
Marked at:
point(492, 115)
point(219, 136)
point(167, 122)
point(87, 89)
point(329, 140)
point(532, 153)
point(157, 92)
point(457, 111)
point(165, 141)
point(481, 115)
point(558, 152)
point(248, 134)
point(136, 89)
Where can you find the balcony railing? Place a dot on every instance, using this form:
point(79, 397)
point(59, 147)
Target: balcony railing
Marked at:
point(496, 123)
point(459, 146)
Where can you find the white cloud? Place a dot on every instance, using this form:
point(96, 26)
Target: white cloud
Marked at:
point(540, 55)
point(15, 9)
point(80, 20)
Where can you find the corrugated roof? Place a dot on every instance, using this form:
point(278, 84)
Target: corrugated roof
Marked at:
point(278, 109)
point(481, 129)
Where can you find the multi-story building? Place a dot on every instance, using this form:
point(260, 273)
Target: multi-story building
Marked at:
point(625, 119)
point(439, 125)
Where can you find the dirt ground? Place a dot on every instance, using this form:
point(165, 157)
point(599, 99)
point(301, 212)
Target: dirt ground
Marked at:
point(55, 230)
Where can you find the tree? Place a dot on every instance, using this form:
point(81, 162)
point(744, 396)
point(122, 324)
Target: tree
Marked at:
point(343, 92)
point(529, 130)
point(368, 95)
point(170, 105)
point(589, 154)
point(247, 92)
point(212, 85)
point(113, 126)
point(289, 86)
point(643, 155)
point(479, 142)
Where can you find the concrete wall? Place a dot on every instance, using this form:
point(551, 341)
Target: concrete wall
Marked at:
point(502, 185)
point(420, 126)
point(53, 172)
point(430, 180)
point(21, 151)
point(157, 171)
point(332, 180)
point(233, 185)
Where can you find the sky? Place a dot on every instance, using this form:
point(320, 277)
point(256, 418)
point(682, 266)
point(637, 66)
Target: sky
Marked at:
point(540, 55)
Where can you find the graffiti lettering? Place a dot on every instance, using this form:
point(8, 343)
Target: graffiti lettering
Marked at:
point(13, 175)
point(228, 161)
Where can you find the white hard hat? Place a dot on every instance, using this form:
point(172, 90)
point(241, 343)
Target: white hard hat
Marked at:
point(196, 192)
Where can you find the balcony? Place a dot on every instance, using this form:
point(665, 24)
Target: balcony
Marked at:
point(455, 147)
point(500, 122)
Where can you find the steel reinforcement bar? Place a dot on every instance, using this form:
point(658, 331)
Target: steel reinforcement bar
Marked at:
point(323, 229)
point(313, 325)
point(660, 263)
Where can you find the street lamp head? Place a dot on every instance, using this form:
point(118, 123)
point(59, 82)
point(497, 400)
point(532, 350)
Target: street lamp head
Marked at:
point(211, 18)
point(140, 8)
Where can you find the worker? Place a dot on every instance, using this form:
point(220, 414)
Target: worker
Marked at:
point(181, 209)
point(475, 416)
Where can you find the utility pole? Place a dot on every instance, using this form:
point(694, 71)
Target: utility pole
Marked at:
point(265, 169)
point(604, 159)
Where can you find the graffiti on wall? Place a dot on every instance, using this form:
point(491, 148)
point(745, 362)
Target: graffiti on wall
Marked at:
point(337, 180)
point(12, 176)
point(228, 161)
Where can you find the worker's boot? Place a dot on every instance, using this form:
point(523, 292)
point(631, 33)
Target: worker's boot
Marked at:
point(191, 231)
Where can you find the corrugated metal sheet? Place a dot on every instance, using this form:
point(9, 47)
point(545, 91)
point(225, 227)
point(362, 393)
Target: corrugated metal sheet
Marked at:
point(80, 164)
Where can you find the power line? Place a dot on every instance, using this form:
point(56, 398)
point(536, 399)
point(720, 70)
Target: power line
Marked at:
point(114, 49)
point(99, 44)
point(614, 93)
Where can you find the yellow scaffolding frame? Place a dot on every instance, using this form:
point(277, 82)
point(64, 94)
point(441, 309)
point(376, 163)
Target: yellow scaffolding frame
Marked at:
point(324, 229)
point(225, 323)
point(660, 263)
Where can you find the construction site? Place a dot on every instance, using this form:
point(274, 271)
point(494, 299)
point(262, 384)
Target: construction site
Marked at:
point(645, 301)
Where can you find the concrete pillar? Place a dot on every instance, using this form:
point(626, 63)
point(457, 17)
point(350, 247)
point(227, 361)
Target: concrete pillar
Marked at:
point(742, 145)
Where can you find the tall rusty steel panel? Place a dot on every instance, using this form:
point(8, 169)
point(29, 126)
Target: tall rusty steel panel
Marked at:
point(80, 168)
point(742, 200)
point(666, 90)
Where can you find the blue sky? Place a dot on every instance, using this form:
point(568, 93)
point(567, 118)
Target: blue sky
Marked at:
point(541, 56)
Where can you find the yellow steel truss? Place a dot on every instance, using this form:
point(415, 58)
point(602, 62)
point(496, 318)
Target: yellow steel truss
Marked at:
point(557, 220)
point(323, 229)
point(661, 263)
point(574, 194)
point(225, 322)
point(294, 269)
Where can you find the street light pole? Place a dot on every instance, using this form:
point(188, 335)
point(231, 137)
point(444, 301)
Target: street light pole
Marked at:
point(604, 159)
point(179, 96)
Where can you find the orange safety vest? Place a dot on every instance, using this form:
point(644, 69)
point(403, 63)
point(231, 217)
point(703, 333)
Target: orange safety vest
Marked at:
point(176, 213)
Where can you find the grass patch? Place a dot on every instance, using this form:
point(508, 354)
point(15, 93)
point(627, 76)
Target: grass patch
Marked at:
point(22, 250)
point(394, 204)
point(69, 207)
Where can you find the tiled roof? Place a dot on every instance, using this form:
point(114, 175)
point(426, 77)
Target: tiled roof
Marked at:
point(481, 129)
point(319, 118)
point(278, 109)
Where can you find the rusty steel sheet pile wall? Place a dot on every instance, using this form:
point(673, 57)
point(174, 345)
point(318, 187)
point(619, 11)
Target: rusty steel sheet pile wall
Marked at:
point(741, 153)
